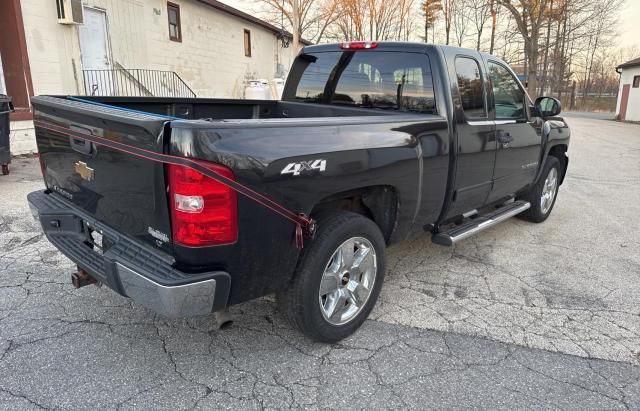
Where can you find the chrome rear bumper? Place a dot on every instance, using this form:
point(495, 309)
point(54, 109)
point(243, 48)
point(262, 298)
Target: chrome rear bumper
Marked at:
point(131, 269)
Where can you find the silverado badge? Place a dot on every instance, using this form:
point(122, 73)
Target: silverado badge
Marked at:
point(86, 172)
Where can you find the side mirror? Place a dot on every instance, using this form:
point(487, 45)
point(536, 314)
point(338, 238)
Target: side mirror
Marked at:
point(548, 106)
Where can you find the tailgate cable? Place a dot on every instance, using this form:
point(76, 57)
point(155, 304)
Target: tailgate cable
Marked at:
point(305, 227)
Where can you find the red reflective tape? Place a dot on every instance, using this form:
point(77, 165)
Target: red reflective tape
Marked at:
point(304, 225)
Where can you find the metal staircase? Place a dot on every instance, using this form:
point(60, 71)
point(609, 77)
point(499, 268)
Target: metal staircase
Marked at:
point(135, 83)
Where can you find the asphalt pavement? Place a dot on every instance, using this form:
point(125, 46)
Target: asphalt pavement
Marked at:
point(542, 316)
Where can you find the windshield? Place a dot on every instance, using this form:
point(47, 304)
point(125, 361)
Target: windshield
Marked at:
point(382, 80)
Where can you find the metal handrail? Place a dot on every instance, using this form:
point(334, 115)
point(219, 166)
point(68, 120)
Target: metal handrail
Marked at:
point(135, 83)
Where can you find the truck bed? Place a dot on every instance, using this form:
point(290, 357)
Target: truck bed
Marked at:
point(232, 109)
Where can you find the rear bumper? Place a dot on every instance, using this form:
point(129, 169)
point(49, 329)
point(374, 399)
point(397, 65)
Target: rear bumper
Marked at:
point(132, 269)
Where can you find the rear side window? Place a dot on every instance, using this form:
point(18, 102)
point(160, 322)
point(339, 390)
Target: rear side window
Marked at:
point(380, 80)
point(471, 88)
point(508, 97)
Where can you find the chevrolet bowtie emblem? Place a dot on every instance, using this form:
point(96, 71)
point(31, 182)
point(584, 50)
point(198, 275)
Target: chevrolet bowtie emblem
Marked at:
point(86, 172)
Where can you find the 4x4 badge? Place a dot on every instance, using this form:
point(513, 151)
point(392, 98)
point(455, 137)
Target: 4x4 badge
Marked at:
point(85, 172)
point(297, 168)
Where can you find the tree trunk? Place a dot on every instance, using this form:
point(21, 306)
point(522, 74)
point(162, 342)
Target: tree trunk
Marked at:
point(447, 29)
point(295, 44)
point(545, 65)
point(532, 66)
point(426, 28)
point(493, 26)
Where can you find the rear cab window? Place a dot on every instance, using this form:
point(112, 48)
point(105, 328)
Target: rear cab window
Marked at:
point(399, 81)
point(471, 88)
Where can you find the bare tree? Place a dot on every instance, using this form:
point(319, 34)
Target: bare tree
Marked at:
point(479, 14)
point(529, 17)
point(460, 21)
point(374, 19)
point(305, 18)
point(430, 9)
point(448, 7)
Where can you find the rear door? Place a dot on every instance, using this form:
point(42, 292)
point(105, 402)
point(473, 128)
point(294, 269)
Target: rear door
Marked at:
point(475, 132)
point(125, 191)
point(517, 133)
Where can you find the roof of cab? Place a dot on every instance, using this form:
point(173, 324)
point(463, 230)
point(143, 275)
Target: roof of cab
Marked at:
point(395, 46)
point(382, 45)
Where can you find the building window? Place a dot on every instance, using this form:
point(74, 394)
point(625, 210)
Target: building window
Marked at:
point(173, 14)
point(636, 81)
point(247, 43)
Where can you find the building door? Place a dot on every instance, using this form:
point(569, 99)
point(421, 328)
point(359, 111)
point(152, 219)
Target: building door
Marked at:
point(94, 49)
point(624, 102)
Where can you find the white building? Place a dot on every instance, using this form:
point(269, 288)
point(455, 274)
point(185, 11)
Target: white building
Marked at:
point(131, 47)
point(628, 107)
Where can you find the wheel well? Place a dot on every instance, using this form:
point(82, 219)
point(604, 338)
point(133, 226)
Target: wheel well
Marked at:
point(559, 153)
point(378, 203)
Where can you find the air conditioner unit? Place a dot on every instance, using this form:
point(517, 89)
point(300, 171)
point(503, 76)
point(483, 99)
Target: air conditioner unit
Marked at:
point(70, 11)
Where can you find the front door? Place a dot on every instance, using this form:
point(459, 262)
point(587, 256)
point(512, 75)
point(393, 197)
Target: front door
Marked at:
point(624, 101)
point(94, 49)
point(518, 134)
point(476, 144)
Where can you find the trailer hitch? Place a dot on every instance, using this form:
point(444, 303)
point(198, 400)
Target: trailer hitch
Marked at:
point(82, 278)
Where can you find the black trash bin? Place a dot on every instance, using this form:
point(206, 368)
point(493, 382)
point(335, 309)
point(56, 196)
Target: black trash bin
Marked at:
point(6, 107)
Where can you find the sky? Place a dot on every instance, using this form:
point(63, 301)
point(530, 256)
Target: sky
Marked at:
point(628, 29)
point(630, 24)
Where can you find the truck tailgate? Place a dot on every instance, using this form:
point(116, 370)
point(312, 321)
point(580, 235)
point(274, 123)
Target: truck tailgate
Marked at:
point(124, 191)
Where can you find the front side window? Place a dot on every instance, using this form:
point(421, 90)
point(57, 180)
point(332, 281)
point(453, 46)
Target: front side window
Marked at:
point(508, 96)
point(471, 87)
point(173, 14)
point(636, 81)
point(367, 79)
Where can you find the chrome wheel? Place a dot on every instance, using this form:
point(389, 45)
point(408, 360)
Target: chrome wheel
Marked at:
point(549, 190)
point(347, 281)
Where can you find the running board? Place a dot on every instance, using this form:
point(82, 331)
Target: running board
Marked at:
point(474, 226)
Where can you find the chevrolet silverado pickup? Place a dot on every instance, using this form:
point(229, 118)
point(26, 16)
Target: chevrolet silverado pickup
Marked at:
point(190, 205)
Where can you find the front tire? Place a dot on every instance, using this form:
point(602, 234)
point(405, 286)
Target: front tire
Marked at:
point(338, 277)
point(543, 194)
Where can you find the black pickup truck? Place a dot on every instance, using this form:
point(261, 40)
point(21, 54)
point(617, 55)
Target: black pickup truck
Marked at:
point(188, 206)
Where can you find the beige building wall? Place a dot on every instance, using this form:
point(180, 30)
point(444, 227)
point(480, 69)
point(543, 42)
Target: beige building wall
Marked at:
point(210, 58)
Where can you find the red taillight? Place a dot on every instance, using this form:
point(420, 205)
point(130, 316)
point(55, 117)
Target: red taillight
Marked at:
point(203, 210)
point(359, 45)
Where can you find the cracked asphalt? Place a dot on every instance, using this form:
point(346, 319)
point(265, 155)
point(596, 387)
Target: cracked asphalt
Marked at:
point(521, 316)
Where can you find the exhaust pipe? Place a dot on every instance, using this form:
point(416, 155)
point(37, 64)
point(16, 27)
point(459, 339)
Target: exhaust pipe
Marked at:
point(82, 278)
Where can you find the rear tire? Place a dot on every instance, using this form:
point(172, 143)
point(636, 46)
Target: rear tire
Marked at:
point(544, 193)
point(338, 277)
point(5, 169)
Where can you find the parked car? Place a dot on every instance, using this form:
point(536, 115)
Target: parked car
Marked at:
point(189, 206)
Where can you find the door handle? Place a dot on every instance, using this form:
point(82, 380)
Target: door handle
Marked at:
point(504, 137)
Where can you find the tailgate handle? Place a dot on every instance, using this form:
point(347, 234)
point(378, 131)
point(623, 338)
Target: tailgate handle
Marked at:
point(80, 145)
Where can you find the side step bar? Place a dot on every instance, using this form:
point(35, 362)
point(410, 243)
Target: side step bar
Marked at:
point(473, 226)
